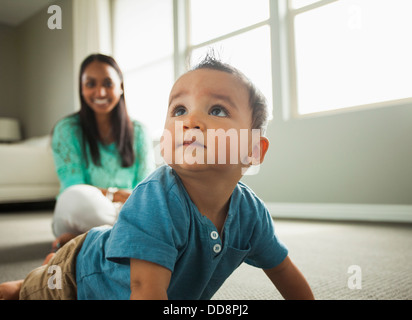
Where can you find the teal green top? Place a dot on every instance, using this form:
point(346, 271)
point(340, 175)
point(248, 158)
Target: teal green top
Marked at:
point(72, 166)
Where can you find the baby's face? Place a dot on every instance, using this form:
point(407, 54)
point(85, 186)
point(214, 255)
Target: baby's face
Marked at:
point(208, 121)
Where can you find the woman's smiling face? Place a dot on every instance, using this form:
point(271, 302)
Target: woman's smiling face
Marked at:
point(101, 87)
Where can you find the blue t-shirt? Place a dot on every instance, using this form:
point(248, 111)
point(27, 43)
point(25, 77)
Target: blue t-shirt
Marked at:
point(159, 223)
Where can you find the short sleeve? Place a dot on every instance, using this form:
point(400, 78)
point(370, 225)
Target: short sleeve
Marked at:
point(148, 227)
point(267, 250)
point(67, 153)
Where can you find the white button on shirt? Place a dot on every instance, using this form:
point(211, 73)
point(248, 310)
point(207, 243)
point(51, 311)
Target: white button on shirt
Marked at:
point(214, 235)
point(217, 248)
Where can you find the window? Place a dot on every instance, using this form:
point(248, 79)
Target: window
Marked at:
point(238, 31)
point(152, 40)
point(340, 53)
point(143, 47)
point(347, 53)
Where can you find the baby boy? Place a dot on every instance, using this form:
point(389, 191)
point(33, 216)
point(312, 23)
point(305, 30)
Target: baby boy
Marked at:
point(191, 223)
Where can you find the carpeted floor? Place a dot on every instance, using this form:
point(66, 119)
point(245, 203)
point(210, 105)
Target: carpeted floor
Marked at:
point(323, 251)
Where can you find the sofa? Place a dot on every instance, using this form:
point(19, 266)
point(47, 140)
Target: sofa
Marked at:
point(27, 171)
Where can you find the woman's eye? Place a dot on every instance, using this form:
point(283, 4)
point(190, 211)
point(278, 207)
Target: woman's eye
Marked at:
point(219, 111)
point(89, 84)
point(108, 84)
point(179, 111)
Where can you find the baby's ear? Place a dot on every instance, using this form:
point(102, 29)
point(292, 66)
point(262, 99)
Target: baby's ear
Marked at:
point(259, 150)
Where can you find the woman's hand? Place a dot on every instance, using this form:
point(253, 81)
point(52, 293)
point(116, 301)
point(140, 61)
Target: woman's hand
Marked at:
point(121, 195)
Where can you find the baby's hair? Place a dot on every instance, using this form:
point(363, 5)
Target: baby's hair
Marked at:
point(257, 100)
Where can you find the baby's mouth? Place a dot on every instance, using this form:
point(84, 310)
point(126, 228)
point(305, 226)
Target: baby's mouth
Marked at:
point(193, 143)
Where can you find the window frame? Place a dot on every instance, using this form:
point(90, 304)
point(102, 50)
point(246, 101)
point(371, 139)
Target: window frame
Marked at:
point(287, 16)
point(183, 47)
point(283, 64)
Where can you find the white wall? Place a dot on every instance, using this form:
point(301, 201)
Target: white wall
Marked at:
point(8, 72)
point(45, 85)
point(362, 157)
point(36, 71)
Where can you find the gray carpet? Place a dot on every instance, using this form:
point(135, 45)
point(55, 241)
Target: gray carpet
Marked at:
point(323, 251)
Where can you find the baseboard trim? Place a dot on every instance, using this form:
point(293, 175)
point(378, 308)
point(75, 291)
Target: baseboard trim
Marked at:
point(343, 212)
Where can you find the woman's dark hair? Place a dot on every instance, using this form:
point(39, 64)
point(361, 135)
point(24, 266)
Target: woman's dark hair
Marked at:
point(121, 124)
point(257, 100)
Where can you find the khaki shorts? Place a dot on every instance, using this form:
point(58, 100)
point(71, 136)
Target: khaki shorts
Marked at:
point(57, 279)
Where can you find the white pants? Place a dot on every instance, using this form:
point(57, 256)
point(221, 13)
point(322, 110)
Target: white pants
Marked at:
point(82, 207)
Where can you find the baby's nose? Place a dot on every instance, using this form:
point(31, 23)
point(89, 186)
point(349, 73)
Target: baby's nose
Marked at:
point(194, 121)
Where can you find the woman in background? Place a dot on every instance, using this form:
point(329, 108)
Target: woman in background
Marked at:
point(99, 153)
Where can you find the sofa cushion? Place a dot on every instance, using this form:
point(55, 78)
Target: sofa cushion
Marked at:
point(26, 166)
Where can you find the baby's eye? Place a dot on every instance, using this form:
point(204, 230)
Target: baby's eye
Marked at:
point(219, 111)
point(179, 111)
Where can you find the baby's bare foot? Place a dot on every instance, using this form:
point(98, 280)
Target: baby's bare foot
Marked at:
point(10, 290)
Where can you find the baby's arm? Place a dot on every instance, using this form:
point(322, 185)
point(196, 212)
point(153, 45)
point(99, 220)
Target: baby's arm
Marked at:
point(148, 281)
point(289, 281)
